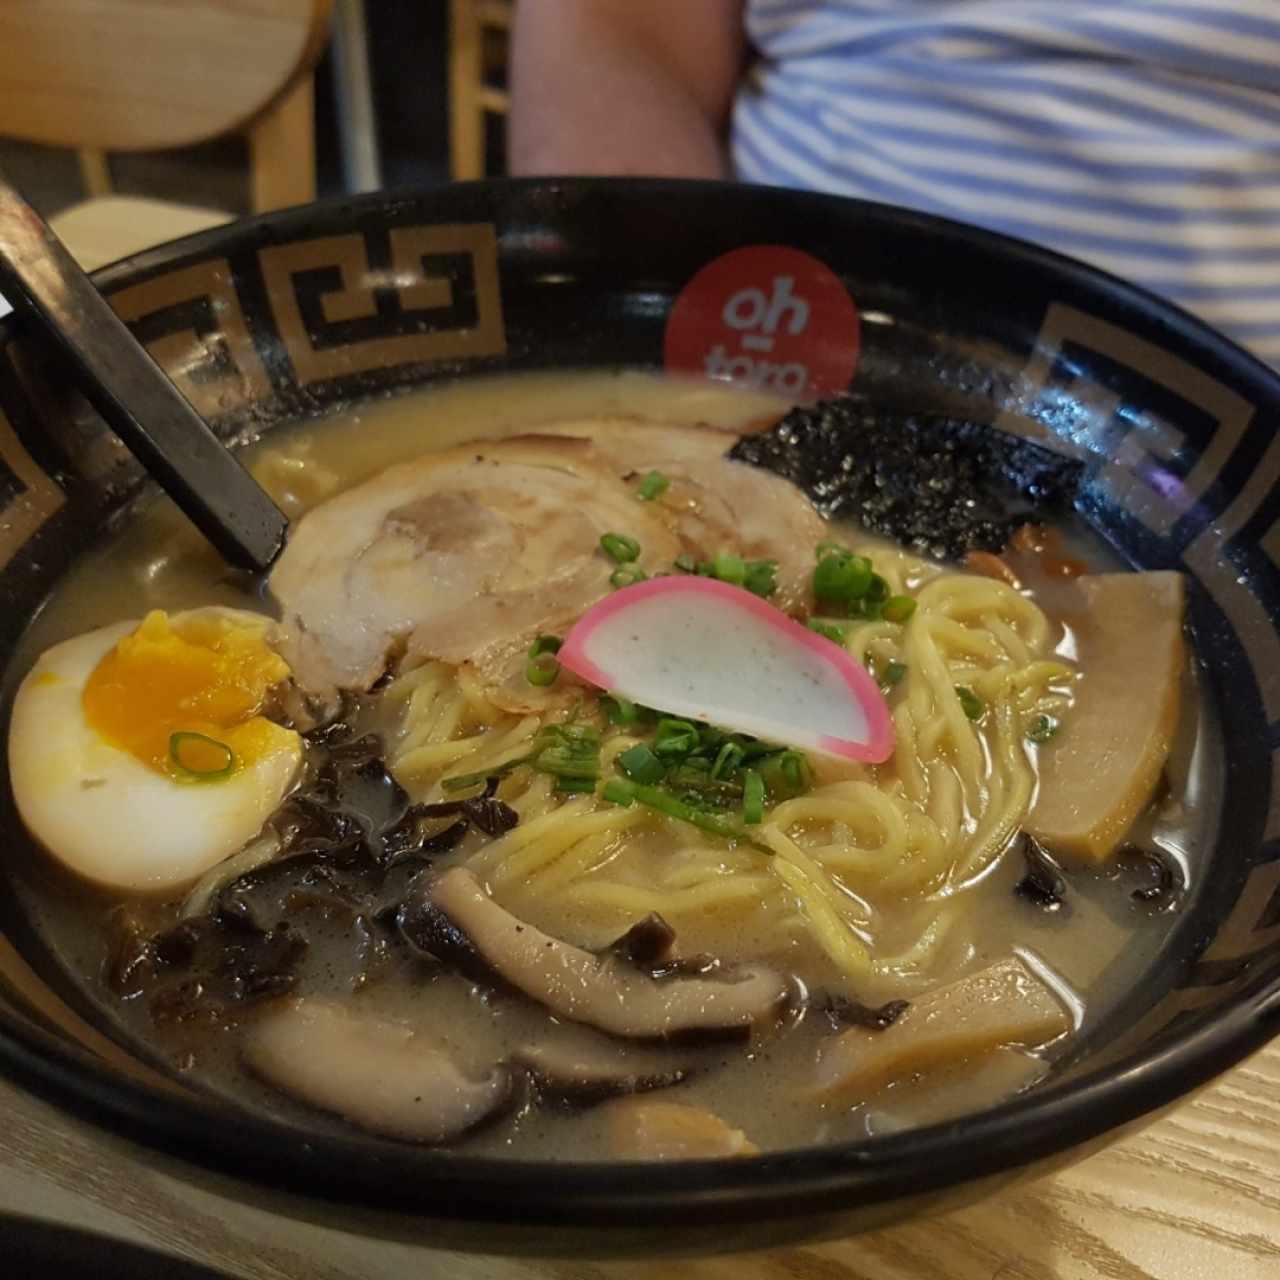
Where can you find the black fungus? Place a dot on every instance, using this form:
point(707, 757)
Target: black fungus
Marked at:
point(940, 486)
point(224, 974)
point(1163, 878)
point(351, 844)
point(649, 944)
point(1043, 885)
point(844, 1011)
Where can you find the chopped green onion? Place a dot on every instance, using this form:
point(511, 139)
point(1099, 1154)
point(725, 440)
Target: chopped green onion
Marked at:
point(893, 673)
point(641, 765)
point(674, 807)
point(1042, 729)
point(627, 575)
point(832, 631)
point(970, 703)
point(578, 734)
point(619, 548)
point(899, 608)
point(761, 577)
point(728, 759)
point(795, 768)
point(616, 791)
point(879, 590)
point(199, 758)
point(569, 752)
point(619, 710)
point(654, 485)
point(752, 798)
point(675, 738)
point(705, 569)
point(842, 577)
point(541, 668)
point(786, 775)
point(575, 785)
point(729, 568)
point(686, 563)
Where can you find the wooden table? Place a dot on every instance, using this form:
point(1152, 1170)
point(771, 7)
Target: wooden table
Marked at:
point(1195, 1197)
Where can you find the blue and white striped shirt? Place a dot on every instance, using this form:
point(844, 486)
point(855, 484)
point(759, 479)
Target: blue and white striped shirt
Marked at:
point(1140, 135)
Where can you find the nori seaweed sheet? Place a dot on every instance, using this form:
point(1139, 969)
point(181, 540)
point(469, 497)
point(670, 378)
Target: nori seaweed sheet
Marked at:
point(937, 485)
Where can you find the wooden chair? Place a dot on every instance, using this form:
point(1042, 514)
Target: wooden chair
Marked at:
point(478, 32)
point(132, 75)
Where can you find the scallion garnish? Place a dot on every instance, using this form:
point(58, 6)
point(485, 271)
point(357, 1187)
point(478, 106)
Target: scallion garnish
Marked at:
point(893, 673)
point(842, 577)
point(616, 791)
point(619, 548)
point(569, 752)
point(619, 710)
point(675, 738)
point(198, 758)
point(574, 785)
point(898, 608)
point(786, 775)
point(729, 568)
point(664, 802)
point(627, 575)
point(728, 760)
point(686, 563)
point(795, 768)
point(541, 667)
point(654, 485)
point(1042, 729)
point(970, 703)
point(752, 798)
point(761, 577)
point(641, 765)
point(832, 631)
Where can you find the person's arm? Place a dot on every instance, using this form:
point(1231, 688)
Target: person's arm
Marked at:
point(638, 87)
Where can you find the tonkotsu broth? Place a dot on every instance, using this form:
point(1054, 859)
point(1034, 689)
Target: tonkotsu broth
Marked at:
point(1093, 952)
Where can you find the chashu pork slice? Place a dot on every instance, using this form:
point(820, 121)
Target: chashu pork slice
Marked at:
point(715, 503)
point(467, 554)
point(454, 554)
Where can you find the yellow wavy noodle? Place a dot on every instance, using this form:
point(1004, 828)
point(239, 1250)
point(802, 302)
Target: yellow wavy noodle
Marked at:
point(867, 871)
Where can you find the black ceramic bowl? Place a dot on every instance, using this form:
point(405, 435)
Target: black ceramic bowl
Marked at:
point(286, 315)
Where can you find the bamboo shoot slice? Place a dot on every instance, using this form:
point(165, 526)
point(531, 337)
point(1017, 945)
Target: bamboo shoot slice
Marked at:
point(643, 1130)
point(1100, 773)
point(996, 1008)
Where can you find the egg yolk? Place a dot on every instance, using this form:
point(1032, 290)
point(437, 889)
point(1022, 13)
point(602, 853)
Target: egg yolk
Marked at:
point(209, 678)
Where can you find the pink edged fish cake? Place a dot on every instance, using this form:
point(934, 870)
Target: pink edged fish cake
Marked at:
point(697, 647)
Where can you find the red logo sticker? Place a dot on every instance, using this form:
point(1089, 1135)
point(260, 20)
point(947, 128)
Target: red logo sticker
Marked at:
point(769, 317)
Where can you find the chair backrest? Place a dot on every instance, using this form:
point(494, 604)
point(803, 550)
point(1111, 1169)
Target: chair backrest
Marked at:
point(136, 75)
point(472, 53)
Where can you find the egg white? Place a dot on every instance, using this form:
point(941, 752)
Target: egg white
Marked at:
point(106, 815)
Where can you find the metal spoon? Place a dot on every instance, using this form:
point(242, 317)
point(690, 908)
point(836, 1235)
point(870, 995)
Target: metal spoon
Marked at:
point(44, 284)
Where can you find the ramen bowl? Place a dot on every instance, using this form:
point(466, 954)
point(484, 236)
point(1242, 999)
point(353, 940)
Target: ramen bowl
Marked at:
point(290, 315)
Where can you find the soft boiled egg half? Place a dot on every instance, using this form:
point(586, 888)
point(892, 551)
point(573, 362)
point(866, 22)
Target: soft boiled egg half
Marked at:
point(139, 753)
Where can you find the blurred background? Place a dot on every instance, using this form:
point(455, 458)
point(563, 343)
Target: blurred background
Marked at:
point(129, 123)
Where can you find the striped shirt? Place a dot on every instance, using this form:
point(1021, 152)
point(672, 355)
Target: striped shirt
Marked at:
point(1139, 135)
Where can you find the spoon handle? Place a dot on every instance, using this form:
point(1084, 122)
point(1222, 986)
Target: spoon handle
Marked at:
point(44, 283)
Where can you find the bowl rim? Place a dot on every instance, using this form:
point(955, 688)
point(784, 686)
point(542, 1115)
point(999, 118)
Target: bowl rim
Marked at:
point(386, 1175)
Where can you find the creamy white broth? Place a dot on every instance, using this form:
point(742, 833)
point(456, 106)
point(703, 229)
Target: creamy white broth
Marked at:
point(1095, 951)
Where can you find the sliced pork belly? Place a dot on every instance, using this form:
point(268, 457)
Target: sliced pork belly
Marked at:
point(717, 504)
point(467, 554)
point(447, 554)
